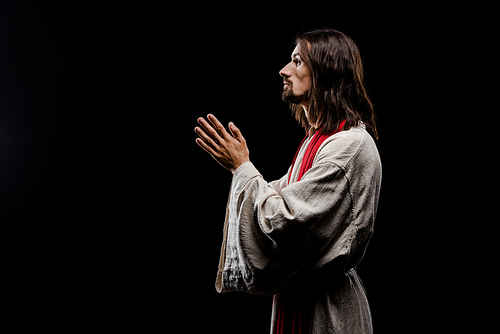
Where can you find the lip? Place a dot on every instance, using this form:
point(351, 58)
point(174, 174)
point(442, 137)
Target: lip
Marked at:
point(286, 83)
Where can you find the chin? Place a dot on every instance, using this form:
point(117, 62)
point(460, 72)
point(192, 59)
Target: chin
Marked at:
point(290, 97)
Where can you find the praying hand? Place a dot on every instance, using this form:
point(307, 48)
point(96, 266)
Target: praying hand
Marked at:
point(229, 151)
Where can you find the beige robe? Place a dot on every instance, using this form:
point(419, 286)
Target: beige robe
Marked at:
point(302, 241)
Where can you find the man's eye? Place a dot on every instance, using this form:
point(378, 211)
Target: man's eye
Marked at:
point(297, 61)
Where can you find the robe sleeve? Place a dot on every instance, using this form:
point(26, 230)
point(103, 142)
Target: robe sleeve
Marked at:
point(280, 184)
point(273, 230)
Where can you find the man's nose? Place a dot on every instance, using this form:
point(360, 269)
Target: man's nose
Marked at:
point(285, 72)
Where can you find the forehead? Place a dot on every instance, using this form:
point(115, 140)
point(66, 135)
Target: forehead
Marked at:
point(296, 51)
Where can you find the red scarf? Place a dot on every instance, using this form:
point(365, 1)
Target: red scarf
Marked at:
point(297, 318)
point(311, 150)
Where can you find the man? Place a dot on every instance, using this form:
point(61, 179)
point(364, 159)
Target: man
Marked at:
point(299, 238)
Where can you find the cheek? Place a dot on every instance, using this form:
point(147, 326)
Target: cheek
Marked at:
point(304, 80)
point(303, 73)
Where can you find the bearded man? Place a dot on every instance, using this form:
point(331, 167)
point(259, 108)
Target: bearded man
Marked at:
point(300, 238)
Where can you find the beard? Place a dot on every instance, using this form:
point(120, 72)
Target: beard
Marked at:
point(290, 97)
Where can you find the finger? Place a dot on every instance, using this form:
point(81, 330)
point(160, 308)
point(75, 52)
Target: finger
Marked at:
point(236, 132)
point(209, 130)
point(203, 136)
point(218, 126)
point(204, 146)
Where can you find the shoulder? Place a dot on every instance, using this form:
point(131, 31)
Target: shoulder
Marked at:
point(346, 147)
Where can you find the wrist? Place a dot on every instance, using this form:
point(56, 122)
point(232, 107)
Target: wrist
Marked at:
point(236, 167)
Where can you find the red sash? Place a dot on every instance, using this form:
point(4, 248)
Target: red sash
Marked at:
point(311, 150)
point(293, 318)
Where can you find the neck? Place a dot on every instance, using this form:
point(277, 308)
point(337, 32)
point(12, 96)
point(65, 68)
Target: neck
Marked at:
point(314, 127)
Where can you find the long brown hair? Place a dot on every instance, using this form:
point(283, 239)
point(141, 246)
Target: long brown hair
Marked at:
point(337, 90)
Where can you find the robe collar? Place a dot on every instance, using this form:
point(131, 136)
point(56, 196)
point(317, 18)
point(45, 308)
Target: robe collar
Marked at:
point(312, 148)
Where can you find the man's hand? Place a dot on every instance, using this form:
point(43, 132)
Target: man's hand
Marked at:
point(229, 151)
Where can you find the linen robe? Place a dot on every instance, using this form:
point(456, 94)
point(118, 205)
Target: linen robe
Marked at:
point(301, 241)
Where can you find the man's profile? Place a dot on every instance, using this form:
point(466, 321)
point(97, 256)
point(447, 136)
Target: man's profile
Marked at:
point(300, 238)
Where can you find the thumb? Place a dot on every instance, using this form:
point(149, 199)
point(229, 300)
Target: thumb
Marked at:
point(235, 132)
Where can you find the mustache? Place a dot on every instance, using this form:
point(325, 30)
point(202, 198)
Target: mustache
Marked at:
point(287, 81)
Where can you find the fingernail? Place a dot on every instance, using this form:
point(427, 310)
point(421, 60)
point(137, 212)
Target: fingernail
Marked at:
point(231, 125)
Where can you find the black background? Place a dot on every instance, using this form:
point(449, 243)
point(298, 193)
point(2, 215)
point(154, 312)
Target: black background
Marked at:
point(111, 216)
